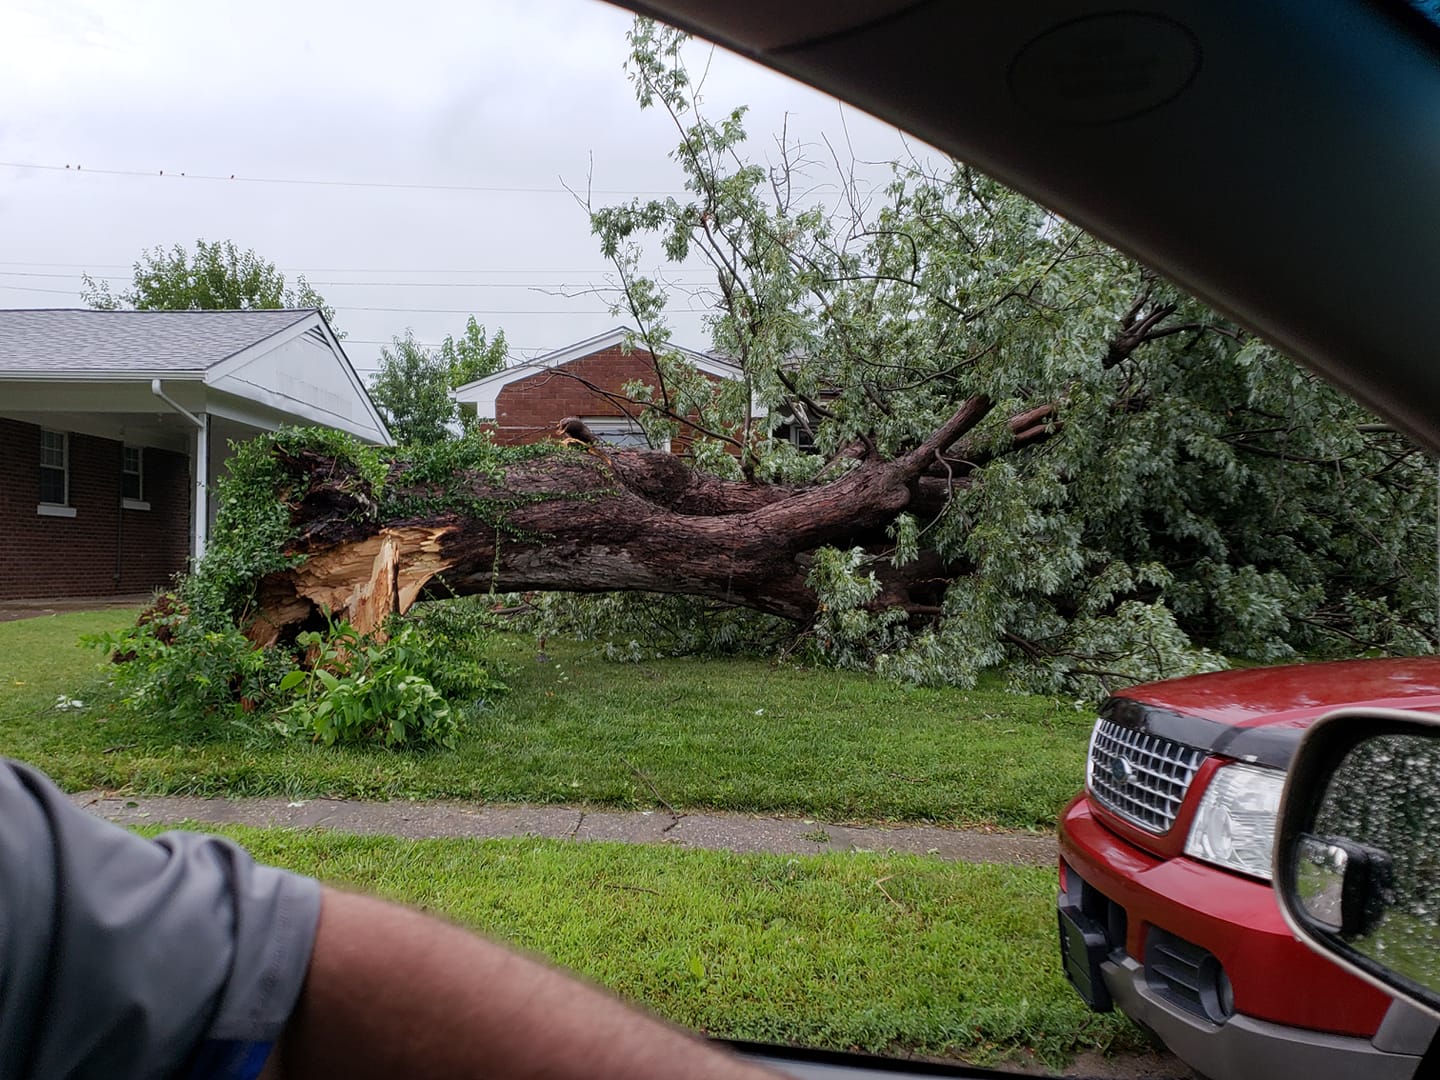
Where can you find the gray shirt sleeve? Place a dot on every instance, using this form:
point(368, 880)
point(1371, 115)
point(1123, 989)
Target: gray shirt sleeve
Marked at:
point(122, 957)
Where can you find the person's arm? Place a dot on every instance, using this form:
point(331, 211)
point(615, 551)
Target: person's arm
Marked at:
point(391, 992)
point(123, 957)
point(180, 957)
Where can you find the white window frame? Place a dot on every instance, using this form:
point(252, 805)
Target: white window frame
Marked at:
point(60, 509)
point(801, 438)
point(796, 429)
point(632, 435)
point(126, 502)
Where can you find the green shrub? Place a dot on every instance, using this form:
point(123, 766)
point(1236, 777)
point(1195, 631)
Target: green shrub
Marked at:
point(630, 627)
point(451, 644)
point(360, 690)
point(187, 663)
point(408, 688)
point(176, 669)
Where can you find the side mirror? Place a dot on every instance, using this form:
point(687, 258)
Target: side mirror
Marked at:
point(1357, 850)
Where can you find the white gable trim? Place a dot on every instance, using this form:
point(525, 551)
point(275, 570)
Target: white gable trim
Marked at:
point(222, 368)
point(223, 374)
point(354, 378)
point(483, 393)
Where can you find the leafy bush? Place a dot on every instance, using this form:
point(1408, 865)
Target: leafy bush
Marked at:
point(358, 689)
point(632, 626)
point(410, 687)
point(174, 668)
point(457, 636)
point(186, 661)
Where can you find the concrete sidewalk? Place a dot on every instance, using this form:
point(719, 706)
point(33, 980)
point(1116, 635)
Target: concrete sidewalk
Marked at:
point(728, 832)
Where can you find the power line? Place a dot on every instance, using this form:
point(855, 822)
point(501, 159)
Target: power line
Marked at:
point(372, 341)
point(162, 174)
point(355, 307)
point(334, 284)
point(32, 288)
point(436, 344)
point(463, 284)
point(359, 270)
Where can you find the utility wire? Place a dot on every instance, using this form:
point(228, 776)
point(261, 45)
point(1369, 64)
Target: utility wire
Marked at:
point(355, 307)
point(467, 311)
point(375, 284)
point(32, 288)
point(368, 270)
point(162, 174)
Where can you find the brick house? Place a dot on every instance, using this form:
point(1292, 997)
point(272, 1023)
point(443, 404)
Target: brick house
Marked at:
point(114, 426)
point(523, 403)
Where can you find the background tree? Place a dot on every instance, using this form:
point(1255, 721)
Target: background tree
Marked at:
point(215, 276)
point(412, 391)
point(412, 386)
point(471, 356)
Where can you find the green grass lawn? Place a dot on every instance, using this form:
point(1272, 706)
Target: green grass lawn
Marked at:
point(896, 954)
point(733, 735)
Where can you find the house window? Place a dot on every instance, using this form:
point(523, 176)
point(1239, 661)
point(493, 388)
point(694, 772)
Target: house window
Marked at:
point(797, 434)
point(132, 476)
point(54, 468)
point(620, 431)
point(801, 438)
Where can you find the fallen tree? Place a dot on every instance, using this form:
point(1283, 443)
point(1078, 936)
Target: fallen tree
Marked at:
point(597, 519)
point(1032, 454)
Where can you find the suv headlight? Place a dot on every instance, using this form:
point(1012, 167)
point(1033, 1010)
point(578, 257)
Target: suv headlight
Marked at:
point(1235, 824)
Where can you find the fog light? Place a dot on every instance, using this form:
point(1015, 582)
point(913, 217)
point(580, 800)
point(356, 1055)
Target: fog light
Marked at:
point(1217, 996)
point(1225, 994)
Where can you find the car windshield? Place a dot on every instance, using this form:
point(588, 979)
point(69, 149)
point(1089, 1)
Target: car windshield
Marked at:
point(532, 464)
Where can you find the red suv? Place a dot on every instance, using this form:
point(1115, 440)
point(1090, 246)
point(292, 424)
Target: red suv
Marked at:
point(1166, 909)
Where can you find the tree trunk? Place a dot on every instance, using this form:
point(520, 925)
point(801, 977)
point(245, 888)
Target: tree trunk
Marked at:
point(599, 520)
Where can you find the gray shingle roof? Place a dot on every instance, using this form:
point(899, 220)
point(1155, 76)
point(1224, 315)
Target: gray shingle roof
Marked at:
point(85, 342)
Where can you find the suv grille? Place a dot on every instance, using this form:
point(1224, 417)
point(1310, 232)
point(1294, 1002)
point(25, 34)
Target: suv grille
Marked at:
point(1143, 778)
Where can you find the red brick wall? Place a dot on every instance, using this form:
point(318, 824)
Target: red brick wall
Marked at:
point(529, 408)
point(57, 556)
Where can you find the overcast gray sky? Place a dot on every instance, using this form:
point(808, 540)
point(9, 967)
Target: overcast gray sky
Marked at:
point(516, 99)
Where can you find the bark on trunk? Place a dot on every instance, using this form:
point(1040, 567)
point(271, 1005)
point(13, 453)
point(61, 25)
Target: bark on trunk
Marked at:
point(600, 520)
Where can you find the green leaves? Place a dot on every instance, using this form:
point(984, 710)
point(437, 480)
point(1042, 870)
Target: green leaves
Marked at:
point(412, 386)
point(472, 356)
point(412, 391)
point(1188, 494)
point(173, 667)
point(408, 688)
point(215, 276)
point(360, 689)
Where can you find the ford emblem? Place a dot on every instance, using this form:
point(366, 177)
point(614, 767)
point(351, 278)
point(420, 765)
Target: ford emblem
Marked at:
point(1122, 771)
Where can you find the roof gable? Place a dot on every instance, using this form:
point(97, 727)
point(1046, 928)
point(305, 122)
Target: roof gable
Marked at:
point(484, 392)
point(304, 372)
point(263, 367)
